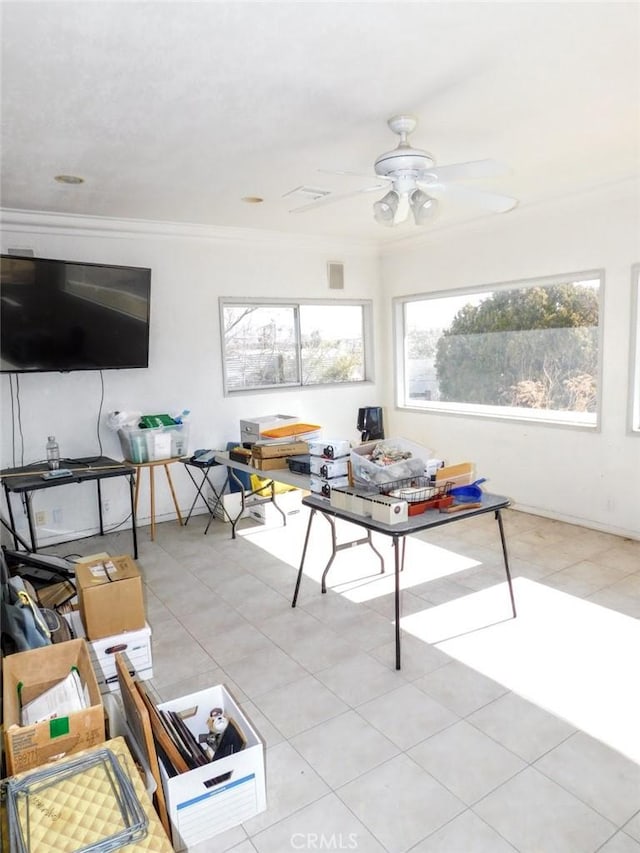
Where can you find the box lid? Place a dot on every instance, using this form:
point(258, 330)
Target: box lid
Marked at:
point(101, 571)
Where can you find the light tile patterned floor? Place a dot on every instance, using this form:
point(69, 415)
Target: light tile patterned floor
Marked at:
point(475, 745)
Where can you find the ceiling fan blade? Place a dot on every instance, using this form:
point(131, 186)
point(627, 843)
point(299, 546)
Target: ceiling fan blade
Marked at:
point(479, 198)
point(457, 171)
point(355, 174)
point(330, 199)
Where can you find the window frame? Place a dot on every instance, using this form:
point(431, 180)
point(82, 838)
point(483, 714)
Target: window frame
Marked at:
point(295, 304)
point(634, 354)
point(573, 420)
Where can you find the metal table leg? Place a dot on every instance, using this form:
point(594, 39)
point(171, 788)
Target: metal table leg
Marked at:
point(398, 559)
point(302, 559)
point(506, 561)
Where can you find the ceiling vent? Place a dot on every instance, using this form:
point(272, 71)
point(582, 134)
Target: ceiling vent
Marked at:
point(307, 194)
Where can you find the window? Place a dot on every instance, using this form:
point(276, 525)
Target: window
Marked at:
point(634, 395)
point(528, 350)
point(277, 344)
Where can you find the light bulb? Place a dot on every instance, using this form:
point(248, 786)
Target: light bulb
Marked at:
point(422, 205)
point(384, 210)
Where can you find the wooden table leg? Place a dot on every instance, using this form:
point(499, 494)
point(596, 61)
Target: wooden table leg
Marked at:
point(152, 489)
point(173, 494)
point(137, 488)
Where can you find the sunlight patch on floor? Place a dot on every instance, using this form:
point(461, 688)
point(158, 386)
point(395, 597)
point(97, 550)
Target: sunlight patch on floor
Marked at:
point(569, 656)
point(355, 572)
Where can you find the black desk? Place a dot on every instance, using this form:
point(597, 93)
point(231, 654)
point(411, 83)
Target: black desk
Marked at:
point(25, 481)
point(398, 532)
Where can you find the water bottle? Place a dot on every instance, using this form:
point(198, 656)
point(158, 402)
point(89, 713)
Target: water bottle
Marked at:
point(53, 453)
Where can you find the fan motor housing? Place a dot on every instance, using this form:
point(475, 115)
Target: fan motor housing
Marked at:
point(401, 159)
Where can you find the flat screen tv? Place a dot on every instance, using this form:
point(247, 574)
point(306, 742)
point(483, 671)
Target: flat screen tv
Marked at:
point(63, 316)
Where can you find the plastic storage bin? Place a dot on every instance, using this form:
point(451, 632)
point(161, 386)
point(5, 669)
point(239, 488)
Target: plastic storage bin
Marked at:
point(150, 445)
point(366, 471)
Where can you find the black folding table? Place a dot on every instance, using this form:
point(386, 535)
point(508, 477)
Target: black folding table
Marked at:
point(415, 524)
point(28, 479)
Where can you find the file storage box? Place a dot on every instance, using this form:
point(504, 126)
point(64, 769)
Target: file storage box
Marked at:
point(223, 793)
point(135, 647)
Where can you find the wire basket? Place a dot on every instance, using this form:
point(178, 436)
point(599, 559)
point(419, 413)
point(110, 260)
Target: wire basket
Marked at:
point(416, 489)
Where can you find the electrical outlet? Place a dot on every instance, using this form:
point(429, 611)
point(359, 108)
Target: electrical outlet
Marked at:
point(41, 518)
point(106, 507)
point(57, 516)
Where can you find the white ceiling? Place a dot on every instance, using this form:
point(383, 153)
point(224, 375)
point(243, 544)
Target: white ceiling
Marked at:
point(174, 111)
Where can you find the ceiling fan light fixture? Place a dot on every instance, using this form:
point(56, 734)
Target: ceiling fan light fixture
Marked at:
point(422, 206)
point(384, 210)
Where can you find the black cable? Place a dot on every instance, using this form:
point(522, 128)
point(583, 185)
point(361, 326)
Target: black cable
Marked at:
point(100, 454)
point(13, 424)
point(20, 420)
point(100, 411)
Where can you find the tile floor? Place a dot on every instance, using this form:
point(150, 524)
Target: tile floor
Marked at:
point(496, 735)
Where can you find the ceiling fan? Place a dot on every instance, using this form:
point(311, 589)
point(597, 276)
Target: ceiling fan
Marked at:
point(415, 184)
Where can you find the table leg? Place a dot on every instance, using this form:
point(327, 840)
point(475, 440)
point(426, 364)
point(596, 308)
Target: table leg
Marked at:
point(138, 476)
point(100, 508)
point(198, 492)
point(302, 559)
point(152, 493)
point(173, 493)
point(134, 532)
point(506, 561)
point(12, 528)
point(32, 529)
point(220, 502)
point(396, 548)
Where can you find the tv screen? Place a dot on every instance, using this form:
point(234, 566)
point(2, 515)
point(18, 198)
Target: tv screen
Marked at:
point(63, 315)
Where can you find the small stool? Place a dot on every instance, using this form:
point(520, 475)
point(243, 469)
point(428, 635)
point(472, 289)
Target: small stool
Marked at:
point(152, 490)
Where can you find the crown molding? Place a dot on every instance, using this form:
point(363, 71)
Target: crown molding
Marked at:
point(49, 222)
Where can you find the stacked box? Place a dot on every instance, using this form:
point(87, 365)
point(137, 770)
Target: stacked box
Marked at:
point(110, 596)
point(135, 647)
point(330, 465)
point(251, 429)
point(268, 457)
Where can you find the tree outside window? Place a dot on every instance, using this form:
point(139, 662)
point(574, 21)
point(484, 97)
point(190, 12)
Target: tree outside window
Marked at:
point(526, 349)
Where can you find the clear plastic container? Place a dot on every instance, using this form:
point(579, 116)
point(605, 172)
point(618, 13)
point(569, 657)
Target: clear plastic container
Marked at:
point(151, 445)
point(53, 453)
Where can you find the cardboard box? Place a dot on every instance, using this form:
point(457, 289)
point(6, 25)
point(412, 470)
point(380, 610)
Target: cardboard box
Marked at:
point(232, 502)
point(266, 513)
point(110, 597)
point(224, 793)
point(270, 451)
point(134, 645)
point(269, 464)
point(38, 670)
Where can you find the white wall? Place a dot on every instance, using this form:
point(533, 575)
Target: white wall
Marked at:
point(591, 478)
point(191, 268)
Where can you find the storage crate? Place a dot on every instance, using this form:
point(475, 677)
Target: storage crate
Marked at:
point(150, 445)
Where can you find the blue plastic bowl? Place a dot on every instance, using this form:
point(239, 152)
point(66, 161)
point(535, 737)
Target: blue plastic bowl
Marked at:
point(468, 494)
